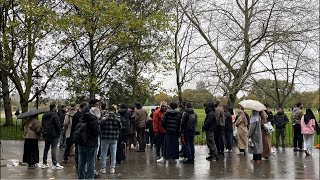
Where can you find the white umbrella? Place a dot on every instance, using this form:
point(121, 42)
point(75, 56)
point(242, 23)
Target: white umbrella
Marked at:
point(253, 105)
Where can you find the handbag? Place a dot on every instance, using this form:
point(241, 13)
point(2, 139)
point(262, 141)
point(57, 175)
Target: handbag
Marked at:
point(268, 127)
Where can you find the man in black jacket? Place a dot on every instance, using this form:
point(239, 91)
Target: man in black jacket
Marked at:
point(51, 132)
point(62, 114)
point(228, 130)
point(88, 150)
point(281, 120)
point(210, 126)
point(188, 126)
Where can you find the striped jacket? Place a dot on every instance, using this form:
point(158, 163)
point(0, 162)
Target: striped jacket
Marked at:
point(110, 126)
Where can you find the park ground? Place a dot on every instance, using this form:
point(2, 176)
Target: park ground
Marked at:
point(284, 164)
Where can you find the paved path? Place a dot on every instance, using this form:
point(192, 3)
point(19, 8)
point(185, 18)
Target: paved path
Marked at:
point(284, 164)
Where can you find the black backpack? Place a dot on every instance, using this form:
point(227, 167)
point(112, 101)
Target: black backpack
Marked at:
point(80, 135)
point(192, 121)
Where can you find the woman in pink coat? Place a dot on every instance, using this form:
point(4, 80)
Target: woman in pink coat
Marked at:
point(307, 130)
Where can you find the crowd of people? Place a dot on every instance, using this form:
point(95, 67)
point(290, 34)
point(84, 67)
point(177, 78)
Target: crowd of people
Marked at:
point(98, 132)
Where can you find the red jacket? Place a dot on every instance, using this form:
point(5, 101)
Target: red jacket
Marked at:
point(157, 122)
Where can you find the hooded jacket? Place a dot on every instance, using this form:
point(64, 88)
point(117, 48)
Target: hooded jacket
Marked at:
point(157, 122)
point(124, 115)
point(92, 128)
point(171, 121)
point(210, 122)
point(228, 121)
point(185, 118)
point(51, 127)
point(141, 117)
point(280, 120)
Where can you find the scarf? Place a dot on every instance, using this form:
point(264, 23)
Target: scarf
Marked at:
point(96, 111)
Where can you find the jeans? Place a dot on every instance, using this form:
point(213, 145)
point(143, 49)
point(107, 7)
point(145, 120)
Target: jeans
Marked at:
point(228, 138)
point(105, 144)
point(308, 142)
point(297, 137)
point(189, 144)
point(53, 143)
point(160, 144)
point(211, 143)
point(67, 150)
point(87, 155)
point(281, 132)
point(141, 138)
point(62, 140)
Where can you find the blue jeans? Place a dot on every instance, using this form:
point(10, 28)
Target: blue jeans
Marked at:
point(105, 144)
point(87, 157)
point(189, 144)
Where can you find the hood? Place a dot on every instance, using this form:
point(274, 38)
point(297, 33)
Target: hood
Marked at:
point(96, 111)
point(189, 110)
point(87, 117)
point(295, 109)
point(122, 111)
point(209, 107)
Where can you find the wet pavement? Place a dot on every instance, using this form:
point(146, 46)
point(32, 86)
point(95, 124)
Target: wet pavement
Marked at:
point(284, 164)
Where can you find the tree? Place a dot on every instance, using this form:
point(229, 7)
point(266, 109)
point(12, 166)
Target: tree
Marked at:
point(6, 98)
point(239, 33)
point(27, 31)
point(102, 34)
point(161, 97)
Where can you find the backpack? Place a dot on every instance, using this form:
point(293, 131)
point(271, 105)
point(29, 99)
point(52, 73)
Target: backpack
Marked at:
point(80, 135)
point(192, 121)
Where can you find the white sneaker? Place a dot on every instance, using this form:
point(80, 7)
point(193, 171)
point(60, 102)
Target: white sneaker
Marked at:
point(43, 166)
point(112, 171)
point(161, 160)
point(103, 171)
point(57, 167)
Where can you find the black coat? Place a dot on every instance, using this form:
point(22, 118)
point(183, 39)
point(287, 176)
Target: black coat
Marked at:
point(61, 114)
point(281, 120)
point(75, 121)
point(171, 121)
point(185, 118)
point(125, 115)
point(210, 122)
point(51, 127)
point(92, 128)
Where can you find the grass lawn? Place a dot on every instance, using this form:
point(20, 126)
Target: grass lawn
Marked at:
point(15, 132)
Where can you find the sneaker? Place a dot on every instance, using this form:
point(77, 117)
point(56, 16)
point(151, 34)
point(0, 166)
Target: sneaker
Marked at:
point(32, 166)
point(57, 167)
point(44, 166)
point(295, 150)
point(228, 151)
point(161, 160)
point(103, 171)
point(301, 150)
point(112, 171)
point(188, 161)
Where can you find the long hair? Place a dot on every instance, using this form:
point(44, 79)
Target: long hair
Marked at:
point(309, 115)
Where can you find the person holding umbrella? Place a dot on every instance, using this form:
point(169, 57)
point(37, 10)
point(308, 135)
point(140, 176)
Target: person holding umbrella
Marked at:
point(31, 133)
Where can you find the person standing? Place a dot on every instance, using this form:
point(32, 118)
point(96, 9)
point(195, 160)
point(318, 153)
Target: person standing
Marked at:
point(75, 121)
point(171, 123)
point(297, 114)
point(110, 131)
point(149, 130)
point(228, 130)
point(254, 135)
point(210, 126)
point(219, 133)
point(62, 115)
point(132, 138)
point(31, 134)
point(159, 131)
point(266, 137)
point(242, 131)
point(308, 124)
point(52, 130)
point(124, 116)
point(189, 122)
point(87, 150)
point(280, 120)
point(141, 116)
point(67, 131)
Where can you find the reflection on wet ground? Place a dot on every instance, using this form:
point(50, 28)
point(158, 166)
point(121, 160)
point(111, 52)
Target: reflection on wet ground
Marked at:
point(284, 164)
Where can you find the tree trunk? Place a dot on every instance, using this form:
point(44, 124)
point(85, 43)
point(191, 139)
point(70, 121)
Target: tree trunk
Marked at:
point(24, 103)
point(231, 100)
point(179, 93)
point(6, 100)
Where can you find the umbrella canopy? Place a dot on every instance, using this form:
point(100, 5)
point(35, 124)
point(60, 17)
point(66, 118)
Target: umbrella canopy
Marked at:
point(253, 105)
point(32, 113)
